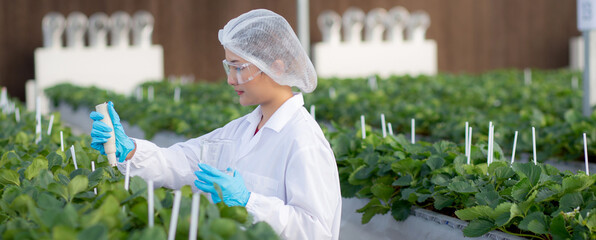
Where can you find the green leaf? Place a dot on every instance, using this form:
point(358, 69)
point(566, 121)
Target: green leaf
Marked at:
point(382, 191)
point(23, 204)
point(46, 201)
point(158, 233)
point(478, 227)
point(558, 229)
point(59, 190)
point(521, 189)
point(535, 222)
point(371, 209)
point(361, 175)
point(261, 230)
point(94, 232)
point(44, 178)
point(8, 176)
point(96, 176)
point(63, 233)
point(440, 180)
point(54, 159)
point(403, 181)
point(137, 184)
point(435, 162)
point(538, 227)
point(490, 198)
point(442, 201)
point(10, 158)
point(236, 213)
point(570, 201)
point(400, 210)
point(37, 165)
point(462, 187)
point(475, 212)
point(503, 172)
point(576, 183)
point(528, 170)
point(548, 192)
point(77, 185)
point(406, 166)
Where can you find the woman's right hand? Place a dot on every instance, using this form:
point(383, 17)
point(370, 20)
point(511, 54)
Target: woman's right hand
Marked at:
point(100, 133)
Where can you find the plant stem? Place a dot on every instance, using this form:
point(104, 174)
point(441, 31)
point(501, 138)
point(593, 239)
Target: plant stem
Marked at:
point(503, 229)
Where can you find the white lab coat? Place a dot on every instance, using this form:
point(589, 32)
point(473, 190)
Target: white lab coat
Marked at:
point(288, 167)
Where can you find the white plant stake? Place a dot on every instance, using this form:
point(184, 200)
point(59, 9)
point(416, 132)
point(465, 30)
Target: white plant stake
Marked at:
point(534, 144)
point(574, 82)
point(150, 204)
point(466, 139)
point(413, 131)
point(127, 176)
point(17, 115)
point(174, 218)
point(363, 127)
point(177, 94)
point(50, 124)
point(488, 153)
point(372, 83)
point(194, 216)
point(93, 170)
point(38, 119)
point(513, 152)
point(4, 99)
point(74, 157)
point(332, 94)
point(470, 145)
point(110, 145)
point(312, 111)
point(527, 76)
point(150, 94)
point(390, 129)
point(61, 141)
point(586, 155)
point(139, 92)
point(383, 125)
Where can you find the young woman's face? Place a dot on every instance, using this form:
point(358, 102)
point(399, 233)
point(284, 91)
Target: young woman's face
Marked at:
point(252, 85)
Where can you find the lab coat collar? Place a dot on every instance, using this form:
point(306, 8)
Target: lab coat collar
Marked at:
point(285, 112)
point(281, 116)
point(279, 119)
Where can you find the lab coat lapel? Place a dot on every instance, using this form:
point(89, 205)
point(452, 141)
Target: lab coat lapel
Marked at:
point(249, 139)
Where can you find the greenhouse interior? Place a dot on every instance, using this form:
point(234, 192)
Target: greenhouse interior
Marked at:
point(405, 119)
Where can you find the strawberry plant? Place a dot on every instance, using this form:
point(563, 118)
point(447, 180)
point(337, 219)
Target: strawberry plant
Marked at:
point(43, 196)
point(440, 104)
point(523, 199)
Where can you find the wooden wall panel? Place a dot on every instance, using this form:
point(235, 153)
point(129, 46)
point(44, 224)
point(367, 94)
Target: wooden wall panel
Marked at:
point(472, 36)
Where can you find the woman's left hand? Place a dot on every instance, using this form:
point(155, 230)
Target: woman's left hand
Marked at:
point(233, 189)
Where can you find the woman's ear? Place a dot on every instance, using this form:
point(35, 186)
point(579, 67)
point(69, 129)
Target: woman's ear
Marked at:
point(278, 67)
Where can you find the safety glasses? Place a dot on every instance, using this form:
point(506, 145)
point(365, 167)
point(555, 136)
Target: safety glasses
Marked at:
point(239, 69)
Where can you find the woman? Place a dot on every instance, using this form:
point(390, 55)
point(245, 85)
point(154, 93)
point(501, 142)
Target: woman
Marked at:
point(285, 171)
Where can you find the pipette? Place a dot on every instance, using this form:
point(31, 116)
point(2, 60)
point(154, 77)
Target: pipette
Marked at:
point(110, 145)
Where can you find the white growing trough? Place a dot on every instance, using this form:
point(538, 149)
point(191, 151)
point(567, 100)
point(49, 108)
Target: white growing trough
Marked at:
point(119, 66)
point(394, 44)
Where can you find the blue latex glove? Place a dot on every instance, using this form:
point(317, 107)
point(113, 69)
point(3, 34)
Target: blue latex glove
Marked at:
point(233, 190)
point(100, 133)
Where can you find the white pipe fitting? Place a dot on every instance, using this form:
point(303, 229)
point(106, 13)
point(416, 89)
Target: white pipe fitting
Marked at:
point(375, 25)
point(353, 22)
point(76, 25)
point(142, 25)
point(52, 28)
point(99, 25)
point(330, 25)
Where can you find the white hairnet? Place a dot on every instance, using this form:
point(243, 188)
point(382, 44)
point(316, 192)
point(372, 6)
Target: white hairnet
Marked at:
point(261, 37)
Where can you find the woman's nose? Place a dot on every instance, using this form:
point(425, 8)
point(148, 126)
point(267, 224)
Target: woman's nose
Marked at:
point(231, 80)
